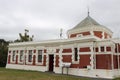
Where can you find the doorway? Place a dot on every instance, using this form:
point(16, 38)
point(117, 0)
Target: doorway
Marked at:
point(51, 62)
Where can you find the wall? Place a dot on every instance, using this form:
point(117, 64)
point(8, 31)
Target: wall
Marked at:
point(83, 34)
point(65, 53)
point(99, 34)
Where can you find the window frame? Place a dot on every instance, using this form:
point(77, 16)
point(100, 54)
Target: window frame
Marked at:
point(21, 56)
point(30, 53)
point(39, 56)
point(13, 56)
point(102, 49)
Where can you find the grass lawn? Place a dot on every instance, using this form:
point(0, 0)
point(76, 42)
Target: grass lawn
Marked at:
point(10, 74)
point(116, 79)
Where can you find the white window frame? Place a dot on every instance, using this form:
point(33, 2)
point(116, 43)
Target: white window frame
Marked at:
point(73, 55)
point(39, 63)
point(39, 54)
point(21, 56)
point(13, 56)
point(30, 52)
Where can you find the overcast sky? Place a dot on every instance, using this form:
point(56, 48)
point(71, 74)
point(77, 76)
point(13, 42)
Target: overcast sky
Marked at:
point(45, 18)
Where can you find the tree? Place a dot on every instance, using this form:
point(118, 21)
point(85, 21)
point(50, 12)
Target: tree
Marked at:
point(3, 52)
point(25, 37)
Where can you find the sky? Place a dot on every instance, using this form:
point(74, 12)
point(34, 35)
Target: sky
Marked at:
point(45, 18)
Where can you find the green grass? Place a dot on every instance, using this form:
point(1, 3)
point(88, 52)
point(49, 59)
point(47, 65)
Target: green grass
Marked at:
point(116, 79)
point(10, 74)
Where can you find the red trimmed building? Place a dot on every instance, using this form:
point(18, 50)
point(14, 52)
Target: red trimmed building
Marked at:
point(88, 51)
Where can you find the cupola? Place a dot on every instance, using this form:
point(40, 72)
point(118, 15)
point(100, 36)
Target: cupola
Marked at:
point(89, 27)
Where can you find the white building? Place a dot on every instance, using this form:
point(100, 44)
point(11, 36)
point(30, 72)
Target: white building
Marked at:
point(88, 51)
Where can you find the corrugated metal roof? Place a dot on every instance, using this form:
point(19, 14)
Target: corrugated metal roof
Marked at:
point(87, 22)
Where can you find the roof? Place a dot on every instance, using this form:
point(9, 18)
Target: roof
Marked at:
point(88, 21)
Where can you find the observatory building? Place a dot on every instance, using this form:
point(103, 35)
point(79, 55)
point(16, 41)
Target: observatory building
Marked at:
point(88, 51)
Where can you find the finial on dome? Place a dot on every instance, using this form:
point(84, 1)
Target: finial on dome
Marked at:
point(88, 11)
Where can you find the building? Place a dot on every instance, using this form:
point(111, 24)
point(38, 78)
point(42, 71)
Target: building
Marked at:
point(88, 51)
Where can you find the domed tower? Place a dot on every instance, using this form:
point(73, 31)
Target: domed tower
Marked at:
point(89, 27)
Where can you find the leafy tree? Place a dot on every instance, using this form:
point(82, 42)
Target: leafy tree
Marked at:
point(25, 37)
point(3, 52)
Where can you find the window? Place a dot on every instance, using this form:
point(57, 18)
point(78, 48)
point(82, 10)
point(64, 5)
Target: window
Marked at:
point(21, 55)
point(96, 49)
point(39, 55)
point(13, 56)
point(102, 49)
point(75, 54)
point(9, 51)
point(79, 35)
point(30, 56)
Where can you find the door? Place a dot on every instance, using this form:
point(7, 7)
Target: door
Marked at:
point(51, 62)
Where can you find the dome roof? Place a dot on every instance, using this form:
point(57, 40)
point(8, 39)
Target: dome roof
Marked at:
point(87, 22)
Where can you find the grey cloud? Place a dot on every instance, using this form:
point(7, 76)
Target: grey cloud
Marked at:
point(48, 16)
